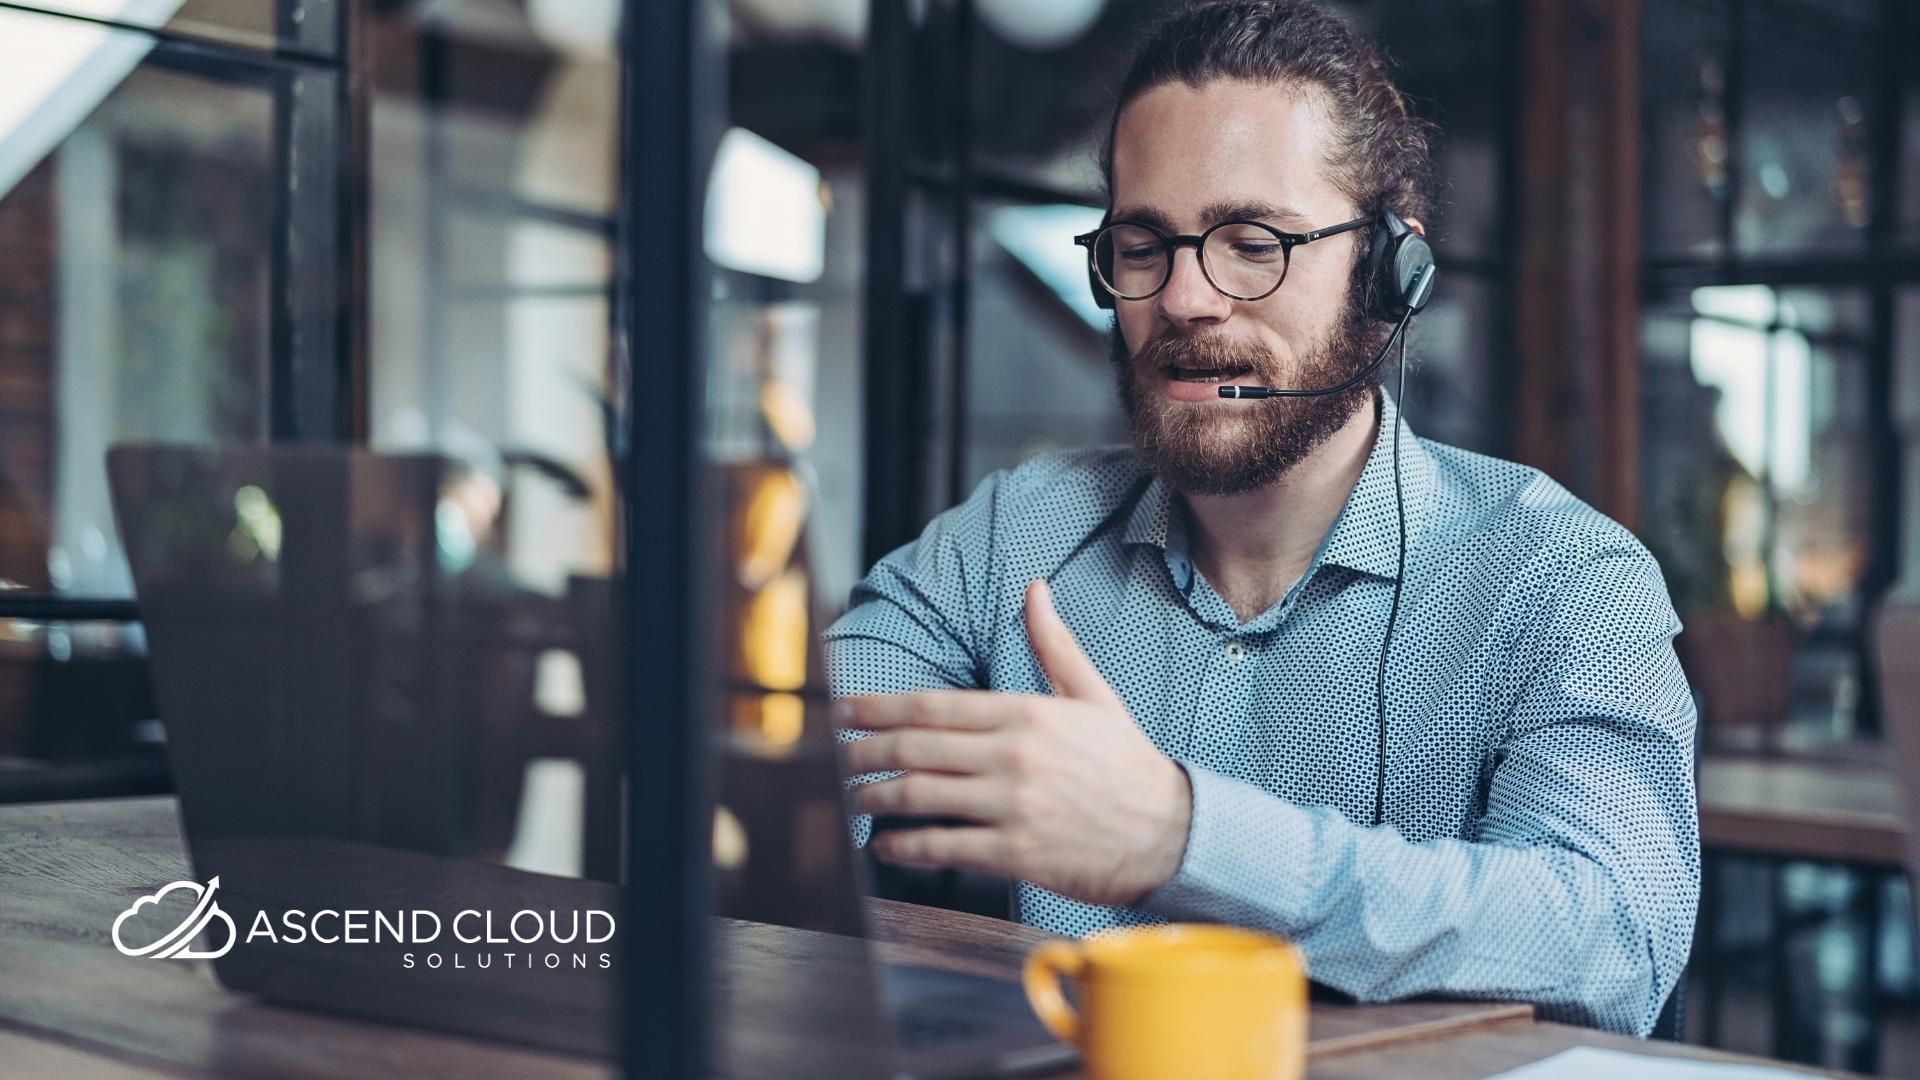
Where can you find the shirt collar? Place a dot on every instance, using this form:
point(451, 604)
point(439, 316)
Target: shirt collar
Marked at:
point(1365, 537)
point(1148, 522)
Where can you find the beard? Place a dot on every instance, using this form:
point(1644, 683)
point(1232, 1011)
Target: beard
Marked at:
point(1230, 447)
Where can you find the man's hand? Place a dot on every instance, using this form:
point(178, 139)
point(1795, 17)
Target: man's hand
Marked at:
point(1068, 793)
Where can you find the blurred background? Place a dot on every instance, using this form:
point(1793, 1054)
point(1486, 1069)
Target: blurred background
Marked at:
point(1681, 254)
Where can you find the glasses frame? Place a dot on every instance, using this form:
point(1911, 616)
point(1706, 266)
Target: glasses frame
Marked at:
point(1288, 241)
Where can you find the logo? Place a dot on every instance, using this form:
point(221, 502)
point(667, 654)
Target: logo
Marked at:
point(523, 940)
point(172, 945)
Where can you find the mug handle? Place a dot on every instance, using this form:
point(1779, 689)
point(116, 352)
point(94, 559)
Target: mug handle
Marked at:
point(1045, 967)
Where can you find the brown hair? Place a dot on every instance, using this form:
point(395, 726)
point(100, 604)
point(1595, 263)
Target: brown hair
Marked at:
point(1382, 155)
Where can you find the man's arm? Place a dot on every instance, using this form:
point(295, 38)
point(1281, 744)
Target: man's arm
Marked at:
point(1579, 888)
point(910, 623)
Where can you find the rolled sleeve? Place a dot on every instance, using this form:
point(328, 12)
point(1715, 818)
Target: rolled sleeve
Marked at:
point(909, 625)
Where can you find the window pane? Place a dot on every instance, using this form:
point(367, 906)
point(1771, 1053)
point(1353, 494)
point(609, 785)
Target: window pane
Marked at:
point(1910, 140)
point(264, 24)
point(134, 295)
point(1038, 374)
point(1031, 125)
point(1804, 172)
point(1455, 61)
point(493, 181)
point(1684, 111)
point(1757, 488)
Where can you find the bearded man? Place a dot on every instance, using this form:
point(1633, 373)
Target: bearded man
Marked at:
point(1281, 663)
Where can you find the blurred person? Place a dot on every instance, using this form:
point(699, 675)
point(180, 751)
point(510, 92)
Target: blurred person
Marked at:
point(1417, 711)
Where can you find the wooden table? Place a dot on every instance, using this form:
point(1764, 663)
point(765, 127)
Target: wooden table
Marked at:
point(1827, 810)
point(1841, 808)
point(71, 1005)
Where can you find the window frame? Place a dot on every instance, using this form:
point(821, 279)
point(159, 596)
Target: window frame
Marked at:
point(316, 369)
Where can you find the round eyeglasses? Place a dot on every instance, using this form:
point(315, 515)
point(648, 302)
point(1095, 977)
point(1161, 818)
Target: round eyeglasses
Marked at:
point(1244, 260)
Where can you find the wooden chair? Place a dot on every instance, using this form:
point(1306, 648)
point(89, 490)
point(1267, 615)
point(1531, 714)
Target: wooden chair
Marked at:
point(1743, 670)
point(1671, 1024)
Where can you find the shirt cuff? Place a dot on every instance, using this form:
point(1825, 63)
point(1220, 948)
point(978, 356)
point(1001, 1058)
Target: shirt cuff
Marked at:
point(1247, 859)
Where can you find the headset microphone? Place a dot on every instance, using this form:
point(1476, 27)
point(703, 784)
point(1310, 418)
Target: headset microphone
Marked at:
point(1244, 393)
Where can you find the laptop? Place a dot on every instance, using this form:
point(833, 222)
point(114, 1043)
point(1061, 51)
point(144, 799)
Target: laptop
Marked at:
point(343, 664)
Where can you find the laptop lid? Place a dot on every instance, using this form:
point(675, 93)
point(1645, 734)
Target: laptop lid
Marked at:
point(330, 648)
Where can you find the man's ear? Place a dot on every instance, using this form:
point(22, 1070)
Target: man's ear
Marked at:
point(1414, 224)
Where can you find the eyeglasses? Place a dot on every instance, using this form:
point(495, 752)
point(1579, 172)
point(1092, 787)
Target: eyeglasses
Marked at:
point(1244, 260)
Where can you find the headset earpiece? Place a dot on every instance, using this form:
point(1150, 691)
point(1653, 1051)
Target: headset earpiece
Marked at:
point(1396, 255)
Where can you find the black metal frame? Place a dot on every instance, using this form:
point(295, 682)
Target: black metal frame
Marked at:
point(893, 361)
point(318, 216)
point(670, 98)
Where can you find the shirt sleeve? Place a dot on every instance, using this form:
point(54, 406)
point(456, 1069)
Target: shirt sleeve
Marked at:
point(917, 622)
point(1575, 889)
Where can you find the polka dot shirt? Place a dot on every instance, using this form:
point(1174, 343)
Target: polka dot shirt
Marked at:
point(1540, 841)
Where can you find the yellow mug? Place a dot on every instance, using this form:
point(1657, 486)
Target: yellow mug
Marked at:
point(1176, 1001)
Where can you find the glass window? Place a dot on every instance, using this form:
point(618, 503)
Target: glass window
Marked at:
point(1757, 496)
point(1455, 62)
point(142, 212)
point(1909, 75)
point(1038, 372)
point(308, 24)
point(1805, 180)
point(1031, 125)
point(494, 173)
point(137, 204)
point(1685, 113)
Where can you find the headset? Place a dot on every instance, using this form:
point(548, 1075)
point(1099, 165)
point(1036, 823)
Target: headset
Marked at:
point(1399, 282)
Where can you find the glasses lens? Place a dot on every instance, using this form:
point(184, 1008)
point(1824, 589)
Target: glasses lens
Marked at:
point(1132, 260)
point(1245, 261)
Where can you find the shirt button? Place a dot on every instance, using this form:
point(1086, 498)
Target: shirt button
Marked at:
point(1235, 652)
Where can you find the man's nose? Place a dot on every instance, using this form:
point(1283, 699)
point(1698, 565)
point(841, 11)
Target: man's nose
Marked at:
point(1190, 300)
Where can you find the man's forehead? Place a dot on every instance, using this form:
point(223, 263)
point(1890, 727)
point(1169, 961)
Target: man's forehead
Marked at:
point(1248, 208)
point(1192, 155)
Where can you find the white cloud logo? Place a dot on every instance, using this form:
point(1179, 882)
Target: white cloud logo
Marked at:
point(173, 944)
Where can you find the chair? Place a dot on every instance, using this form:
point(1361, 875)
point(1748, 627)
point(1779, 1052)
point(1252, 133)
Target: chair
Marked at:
point(1743, 670)
point(1671, 1024)
point(1897, 654)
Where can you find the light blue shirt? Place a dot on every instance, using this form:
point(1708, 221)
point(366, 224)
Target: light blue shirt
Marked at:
point(1541, 841)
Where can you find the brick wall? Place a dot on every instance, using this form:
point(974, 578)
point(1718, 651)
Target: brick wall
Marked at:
point(26, 420)
point(26, 376)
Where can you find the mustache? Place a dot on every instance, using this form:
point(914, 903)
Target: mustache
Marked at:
point(1203, 353)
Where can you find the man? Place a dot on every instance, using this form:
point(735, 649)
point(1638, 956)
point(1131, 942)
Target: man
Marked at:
point(1142, 683)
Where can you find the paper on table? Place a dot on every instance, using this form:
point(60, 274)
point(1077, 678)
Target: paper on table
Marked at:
point(1592, 1063)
